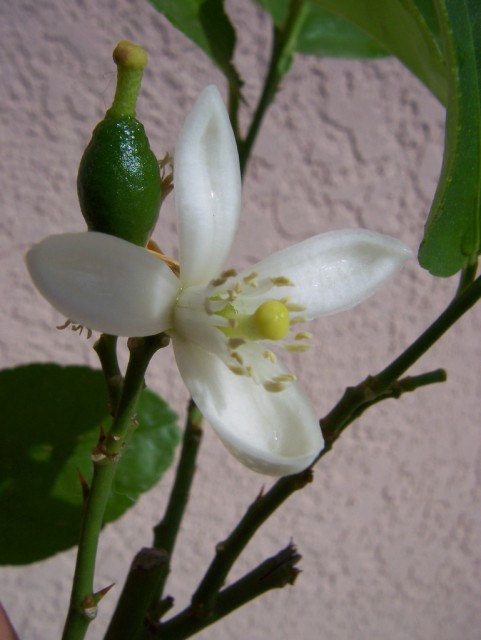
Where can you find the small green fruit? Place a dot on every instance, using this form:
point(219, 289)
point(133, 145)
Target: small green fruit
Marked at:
point(119, 182)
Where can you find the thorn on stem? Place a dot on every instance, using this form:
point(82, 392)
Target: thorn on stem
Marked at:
point(84, 485)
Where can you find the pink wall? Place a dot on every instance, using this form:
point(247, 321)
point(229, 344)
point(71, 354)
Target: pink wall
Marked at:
point(390, 529)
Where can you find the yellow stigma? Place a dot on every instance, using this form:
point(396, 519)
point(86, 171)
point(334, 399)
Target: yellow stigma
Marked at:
point(272, 320)
point(129, 55)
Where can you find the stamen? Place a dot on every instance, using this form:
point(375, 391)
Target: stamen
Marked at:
point(251, 279)
point(298, 320)
point(296, 348)
point(234, 343)
point(230, 273)
point(234, 292)
point(270, 355)
point(224, 276)
point(303, 335)
point(76, 327)
point(282, 281)
point(274, 387)
point(238, 357)
point(295, 307)
point(154, 249)
point(285, 377)
point(239, 371)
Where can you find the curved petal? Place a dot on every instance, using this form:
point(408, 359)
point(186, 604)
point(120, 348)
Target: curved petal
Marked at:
point(207, 189)
point(272, 433)
point(332, 271)
point(104, 283)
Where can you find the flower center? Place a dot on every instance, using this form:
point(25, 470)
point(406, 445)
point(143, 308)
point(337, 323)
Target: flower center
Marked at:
point(272, 320)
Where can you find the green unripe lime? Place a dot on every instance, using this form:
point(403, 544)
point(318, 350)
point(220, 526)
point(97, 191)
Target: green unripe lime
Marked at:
point(119, 183)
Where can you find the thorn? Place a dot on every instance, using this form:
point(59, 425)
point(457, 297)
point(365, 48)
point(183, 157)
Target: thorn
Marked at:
point(261, 493)
point(102, 593)
point(91, 600)
point(84, 485)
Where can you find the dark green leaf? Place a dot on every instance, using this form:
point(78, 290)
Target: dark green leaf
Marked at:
point(51, 417)
point(403, 28)
point(452, 235)
point(221, 37)
point(206, 23)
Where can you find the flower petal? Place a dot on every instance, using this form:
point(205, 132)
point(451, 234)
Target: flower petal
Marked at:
point(272, 433)
point(104, 283)
point(333, 271)
point(207, 189)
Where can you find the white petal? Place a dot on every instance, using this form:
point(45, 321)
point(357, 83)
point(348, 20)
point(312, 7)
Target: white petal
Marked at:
point(272, 433)
point(333, 271)
point(104, 283)
point(207, 189)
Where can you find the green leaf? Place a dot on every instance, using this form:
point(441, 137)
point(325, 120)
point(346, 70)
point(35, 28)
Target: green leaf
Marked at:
point(206, 23)
point(51, 417)
point(325, 34)
point(406, 29)
point(452, 236)
point(322, 33)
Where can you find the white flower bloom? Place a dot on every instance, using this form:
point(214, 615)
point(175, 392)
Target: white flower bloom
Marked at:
point(225, 326)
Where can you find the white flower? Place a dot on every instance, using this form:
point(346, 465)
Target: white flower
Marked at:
point(224, 325)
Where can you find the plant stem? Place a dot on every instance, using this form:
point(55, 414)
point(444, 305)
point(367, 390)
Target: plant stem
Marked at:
point(229, 550)
point(105, 457)
point(165, 533)
point(145, 582)
point(378, 385)
point(274, 573)
point(281, 52)
point(106, 348)
point(137, 594)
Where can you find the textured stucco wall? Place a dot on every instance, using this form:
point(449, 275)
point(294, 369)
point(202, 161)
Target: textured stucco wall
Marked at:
point(390, 529)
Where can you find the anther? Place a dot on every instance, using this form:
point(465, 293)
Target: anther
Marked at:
point(284, 377)
point(236, 356)
point(282, 281)
point(303, 335)
point(233, 343)
point(239, 371)
point(274, 387)
point(270, 355)
point(296, 348)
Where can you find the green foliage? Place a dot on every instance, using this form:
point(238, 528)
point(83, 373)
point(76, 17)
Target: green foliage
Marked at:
point(452, 237)
point(206, 23)
point(322, 33)
point(51, 417)
point(406, 29)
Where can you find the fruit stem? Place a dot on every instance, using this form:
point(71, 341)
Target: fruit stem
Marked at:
point(130, 59)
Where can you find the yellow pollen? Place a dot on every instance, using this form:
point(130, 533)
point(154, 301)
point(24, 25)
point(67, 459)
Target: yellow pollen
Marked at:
point(272, 320)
